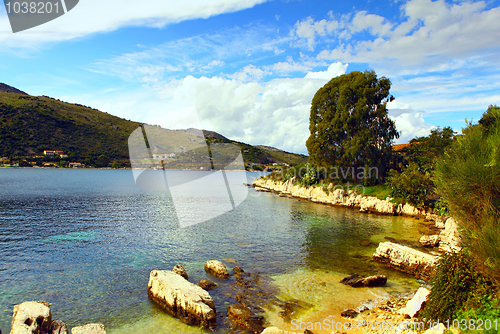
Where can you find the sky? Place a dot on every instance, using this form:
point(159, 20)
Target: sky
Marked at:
point(249, 69)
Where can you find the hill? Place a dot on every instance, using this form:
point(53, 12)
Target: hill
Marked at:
point(31, 124)
point(10, 89)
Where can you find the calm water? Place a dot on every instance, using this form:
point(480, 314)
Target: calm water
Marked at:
point(86, 240)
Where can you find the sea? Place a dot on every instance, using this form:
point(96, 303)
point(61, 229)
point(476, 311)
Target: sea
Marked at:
point(85, 240)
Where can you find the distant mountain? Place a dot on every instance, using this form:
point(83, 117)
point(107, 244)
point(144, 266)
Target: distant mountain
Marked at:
point(10, 89)
point(31, 124)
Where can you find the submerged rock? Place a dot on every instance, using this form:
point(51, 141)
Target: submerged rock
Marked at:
point(31, 317)
point(244, 318)
point(181, 298)
point(216, 268)
point(237, 270)
point(207, 284)
point(276, 330)
point(350, 313)
point(178, 269)
point(406, 259)
point(89, 329)
point(357, 281)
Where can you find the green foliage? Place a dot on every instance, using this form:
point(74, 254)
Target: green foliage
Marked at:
point(456, 285)
point(468, 178)
point(410, 184)
point(349, 124)
point(441, 207)
point(381, 191)
point(309, 177)
point(489, 310)
point(424, 151)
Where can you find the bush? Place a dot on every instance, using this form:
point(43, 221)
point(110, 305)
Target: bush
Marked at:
point(410, 184)
point(468, 178)
point(456, 285)
point(309, 177)
point(487, 314)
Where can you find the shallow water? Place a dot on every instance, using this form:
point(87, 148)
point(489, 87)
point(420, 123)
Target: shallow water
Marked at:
point(86, 240)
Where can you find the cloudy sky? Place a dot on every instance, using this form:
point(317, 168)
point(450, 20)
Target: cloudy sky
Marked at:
point(248, 69)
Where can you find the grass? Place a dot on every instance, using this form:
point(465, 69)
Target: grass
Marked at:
point(380, 191)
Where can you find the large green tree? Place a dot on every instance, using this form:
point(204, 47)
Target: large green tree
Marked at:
point(349, 123)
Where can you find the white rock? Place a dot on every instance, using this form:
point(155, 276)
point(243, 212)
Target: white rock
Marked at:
point(439, 330)
point(181, 298)
point(406, 259)
point(414, 304)
point(450, 237)
point(31, 317)
point(89, 329)
point(439, 223)
point(429, 240)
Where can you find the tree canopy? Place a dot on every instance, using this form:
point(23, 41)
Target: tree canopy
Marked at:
point(349, 123)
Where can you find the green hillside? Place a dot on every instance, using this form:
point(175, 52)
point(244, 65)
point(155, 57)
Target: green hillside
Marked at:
point(29, 125)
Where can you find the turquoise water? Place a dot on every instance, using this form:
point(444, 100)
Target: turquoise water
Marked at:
point(85, 240)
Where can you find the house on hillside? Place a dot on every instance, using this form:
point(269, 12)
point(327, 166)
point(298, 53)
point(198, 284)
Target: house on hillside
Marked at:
point(50, 153)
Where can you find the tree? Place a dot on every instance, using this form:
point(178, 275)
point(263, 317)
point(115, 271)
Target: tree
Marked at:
point(349, 124)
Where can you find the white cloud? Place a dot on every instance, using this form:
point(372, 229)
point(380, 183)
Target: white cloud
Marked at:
point(334, 70)
point(94, 16)
point(409, 123)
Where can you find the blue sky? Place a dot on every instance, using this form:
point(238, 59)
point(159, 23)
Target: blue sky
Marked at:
point(248, 69)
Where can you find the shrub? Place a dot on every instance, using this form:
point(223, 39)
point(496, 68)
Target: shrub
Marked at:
point(456, 285)
point(309, 177)
point(410, 184)
point(487, 315)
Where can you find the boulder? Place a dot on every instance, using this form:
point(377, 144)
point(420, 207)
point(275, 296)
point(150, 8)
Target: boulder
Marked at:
point(31, 317)
point(408, 210)
point(406, 259)
point(437, 329)
point(181, 298)
point(415, 304)
point(429, 240)
point(373, 204)
point(449, 237)
point(178, 269)
point(58, 327)
point(357, 281)
point(207, 284)
point(89, 329)
point(216, 268)
point(439, 223)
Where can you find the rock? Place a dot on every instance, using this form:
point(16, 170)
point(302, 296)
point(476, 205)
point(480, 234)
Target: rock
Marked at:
point(89, 329)
point(237, 270)
point(181, 298)
point(350, 313)
point(439, 223)
point(58, 327)
point(373, 204)
point(244, 318)
point(207, 284)
point(276, 330)
point(178, 269)
point(414, 304)
point(31, 317)
point(429, 240)
point(408, 210)
point(357, 281)
point(449, 237)
point(216, 268)
point(406, 259)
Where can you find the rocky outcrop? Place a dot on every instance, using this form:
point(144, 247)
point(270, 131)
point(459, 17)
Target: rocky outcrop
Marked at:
point(337, 197)
point(181, 298)
point(449, 237)
point(31, 317)
point(415, 304)
point(357, 281)
point(216, 268)
point(207, 284)
point(406, 259)
point(179, 270)
point(89, 329)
